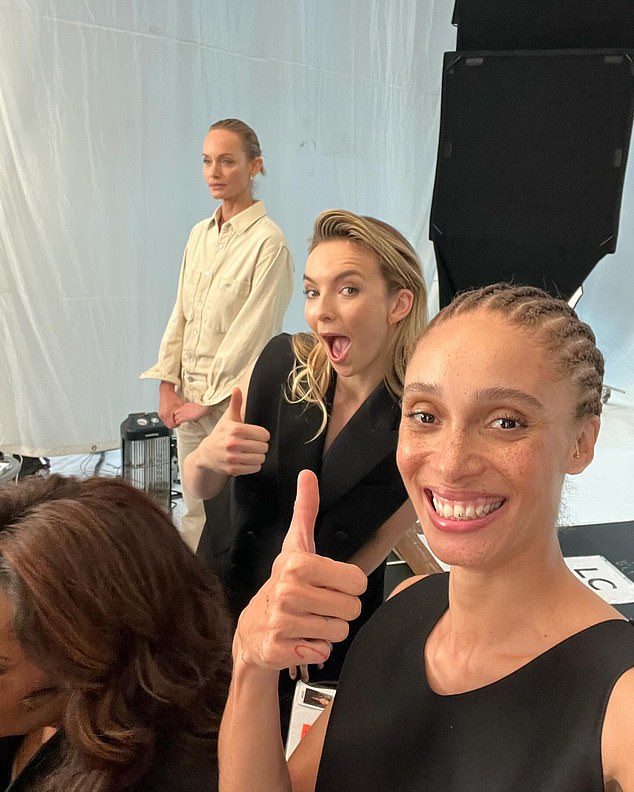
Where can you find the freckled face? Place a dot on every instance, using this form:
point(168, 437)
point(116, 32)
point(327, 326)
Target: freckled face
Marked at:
point(25, 703)
point(486, 438)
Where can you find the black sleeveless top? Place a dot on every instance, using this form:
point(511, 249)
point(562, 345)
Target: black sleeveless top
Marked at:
point(536, 730)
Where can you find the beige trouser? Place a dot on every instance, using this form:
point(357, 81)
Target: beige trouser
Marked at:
point(188, 438)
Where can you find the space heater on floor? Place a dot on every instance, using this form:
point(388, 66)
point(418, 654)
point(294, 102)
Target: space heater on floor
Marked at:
point(146, 455)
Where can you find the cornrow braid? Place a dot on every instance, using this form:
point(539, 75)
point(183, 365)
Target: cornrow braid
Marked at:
point(570, 341)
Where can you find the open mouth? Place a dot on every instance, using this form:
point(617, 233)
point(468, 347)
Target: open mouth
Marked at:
point(464, 510)
point(338, 346)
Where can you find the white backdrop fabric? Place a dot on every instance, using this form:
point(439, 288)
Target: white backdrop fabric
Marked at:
point(103, 108)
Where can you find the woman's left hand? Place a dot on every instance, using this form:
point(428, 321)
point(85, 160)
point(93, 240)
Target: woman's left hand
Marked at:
point(190, 411)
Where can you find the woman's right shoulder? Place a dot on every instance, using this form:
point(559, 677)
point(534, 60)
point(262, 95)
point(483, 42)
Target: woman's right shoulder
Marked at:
point(279, 345)
point(274, 363)
point(278, 359)
point(285, 345)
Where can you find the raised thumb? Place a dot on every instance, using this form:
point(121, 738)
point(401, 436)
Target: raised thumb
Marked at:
point(235, 405)
point(301, 534)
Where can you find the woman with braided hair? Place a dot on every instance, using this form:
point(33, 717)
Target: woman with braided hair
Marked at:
point(507, 673)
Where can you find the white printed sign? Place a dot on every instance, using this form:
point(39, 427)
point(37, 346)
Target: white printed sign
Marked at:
point(603, 578)
point(308, 703)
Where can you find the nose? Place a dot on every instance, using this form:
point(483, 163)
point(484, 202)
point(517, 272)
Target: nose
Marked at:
point(449, 455)
point(458, 456)
point(320, 308)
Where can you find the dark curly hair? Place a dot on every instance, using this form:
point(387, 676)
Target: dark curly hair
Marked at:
point(110, 602)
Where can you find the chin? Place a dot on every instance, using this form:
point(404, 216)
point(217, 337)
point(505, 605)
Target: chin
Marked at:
point(458, 550)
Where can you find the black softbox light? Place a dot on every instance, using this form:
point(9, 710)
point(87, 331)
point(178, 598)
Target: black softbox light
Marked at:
point(531, 160)
point(544, 24)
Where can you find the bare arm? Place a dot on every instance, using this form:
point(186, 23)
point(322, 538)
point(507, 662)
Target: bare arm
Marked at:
point(250, 742)
point(303, 764)
point(617, 739)
point(253, 758)
point(284, 625)
point(381, 543)
point(168, 366)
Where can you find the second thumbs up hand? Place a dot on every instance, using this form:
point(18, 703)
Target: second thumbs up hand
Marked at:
point(234, 447)
point(306, 604)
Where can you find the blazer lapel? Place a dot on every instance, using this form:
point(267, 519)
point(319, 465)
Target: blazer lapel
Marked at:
point(296, 450)
point(366, 440)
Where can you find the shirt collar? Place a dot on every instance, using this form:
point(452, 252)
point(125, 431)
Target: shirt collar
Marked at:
point(243, 219)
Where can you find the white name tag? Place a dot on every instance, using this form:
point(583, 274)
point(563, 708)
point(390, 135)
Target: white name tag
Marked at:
point(598, 574)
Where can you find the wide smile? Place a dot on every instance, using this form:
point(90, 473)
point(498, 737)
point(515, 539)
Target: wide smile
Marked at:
point(462, 513)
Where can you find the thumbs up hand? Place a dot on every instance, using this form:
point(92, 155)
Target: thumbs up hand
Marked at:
point(234, 410)
point(300, 537)
point(234, 448)
point(306, 604)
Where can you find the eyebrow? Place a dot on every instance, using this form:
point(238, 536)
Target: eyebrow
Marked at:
point(341, 276)
point(485, 395)
point(422, 387)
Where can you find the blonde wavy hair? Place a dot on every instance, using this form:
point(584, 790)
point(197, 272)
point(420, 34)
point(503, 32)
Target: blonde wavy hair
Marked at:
point(400, 267)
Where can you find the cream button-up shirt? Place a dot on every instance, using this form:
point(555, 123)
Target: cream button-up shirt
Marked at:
point(234, 288)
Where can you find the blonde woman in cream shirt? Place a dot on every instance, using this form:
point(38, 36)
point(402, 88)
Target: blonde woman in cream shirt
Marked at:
point(235, 284)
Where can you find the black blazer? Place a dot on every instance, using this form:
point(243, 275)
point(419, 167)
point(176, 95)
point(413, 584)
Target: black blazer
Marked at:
point(360, 486)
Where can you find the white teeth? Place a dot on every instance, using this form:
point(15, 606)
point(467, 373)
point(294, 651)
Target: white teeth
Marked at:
point(455, 510)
